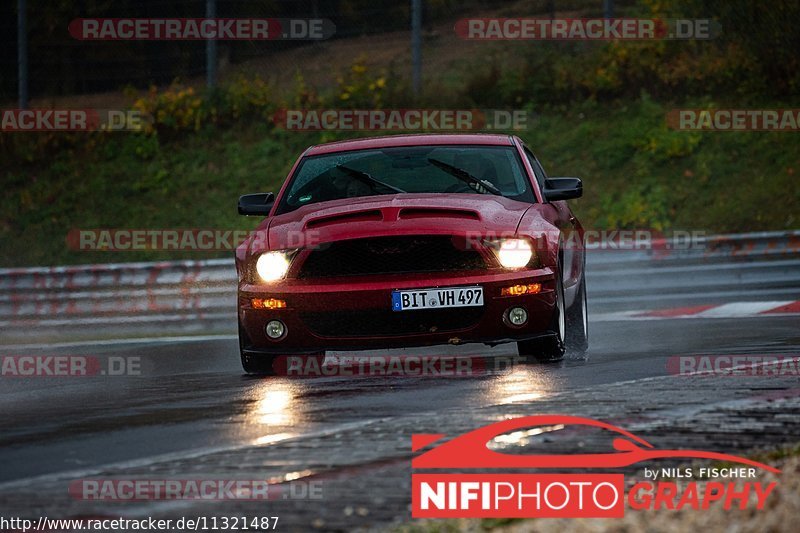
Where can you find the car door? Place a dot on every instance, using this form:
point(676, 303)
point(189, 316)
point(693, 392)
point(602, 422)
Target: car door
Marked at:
point(561, 215)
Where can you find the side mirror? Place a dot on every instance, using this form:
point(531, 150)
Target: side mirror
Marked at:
point(256, 204)
point(562, 189)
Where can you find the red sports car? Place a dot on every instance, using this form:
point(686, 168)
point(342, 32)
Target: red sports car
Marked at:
point(413, 240)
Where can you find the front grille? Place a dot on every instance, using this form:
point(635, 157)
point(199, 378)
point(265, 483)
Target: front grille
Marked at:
point(367, 323)
point(390, 255)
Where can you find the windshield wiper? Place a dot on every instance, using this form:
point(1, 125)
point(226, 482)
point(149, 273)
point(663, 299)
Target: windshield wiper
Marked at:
point(481, 186)
point(363, 176)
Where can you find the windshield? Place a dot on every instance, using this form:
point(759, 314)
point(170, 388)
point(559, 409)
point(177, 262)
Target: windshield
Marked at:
point(491, 170)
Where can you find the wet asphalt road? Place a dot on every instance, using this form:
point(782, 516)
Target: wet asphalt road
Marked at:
point(193, 396)
point(191, 412)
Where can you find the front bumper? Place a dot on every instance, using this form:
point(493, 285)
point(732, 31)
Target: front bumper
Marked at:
point(355, 313)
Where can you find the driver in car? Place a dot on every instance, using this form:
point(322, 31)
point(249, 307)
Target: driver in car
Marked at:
point(350, 187)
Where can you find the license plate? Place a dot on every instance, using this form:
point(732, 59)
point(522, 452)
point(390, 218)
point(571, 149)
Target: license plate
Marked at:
point(437, 298)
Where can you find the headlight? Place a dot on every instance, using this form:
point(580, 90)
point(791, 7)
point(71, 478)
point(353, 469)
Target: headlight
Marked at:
point(272, 266)
point(514, 253)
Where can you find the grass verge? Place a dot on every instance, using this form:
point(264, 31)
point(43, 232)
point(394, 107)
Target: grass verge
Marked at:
point(637, 174)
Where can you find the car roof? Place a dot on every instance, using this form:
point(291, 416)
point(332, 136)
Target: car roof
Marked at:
point(422, 139)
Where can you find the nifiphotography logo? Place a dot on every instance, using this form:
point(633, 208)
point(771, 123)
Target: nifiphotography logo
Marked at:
point(570, 495)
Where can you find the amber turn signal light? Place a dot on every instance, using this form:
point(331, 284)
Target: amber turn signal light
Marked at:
point(267, 303)
point(519, 290)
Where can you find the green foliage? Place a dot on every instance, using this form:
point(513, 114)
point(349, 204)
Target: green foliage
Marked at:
point(180, 109)
point(636, 175)
point(762, 37)
point(600, 115)
point(637, 206)
point(358, 89)
point(662, 144)
point(753, 56)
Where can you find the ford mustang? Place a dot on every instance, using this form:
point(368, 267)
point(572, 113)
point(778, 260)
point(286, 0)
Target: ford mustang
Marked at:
point(413, 240)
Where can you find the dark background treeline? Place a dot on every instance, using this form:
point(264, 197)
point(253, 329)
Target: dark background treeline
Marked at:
point(758, 52)
point(60, 64)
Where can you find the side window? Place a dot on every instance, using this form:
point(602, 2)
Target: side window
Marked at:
point(537, 168)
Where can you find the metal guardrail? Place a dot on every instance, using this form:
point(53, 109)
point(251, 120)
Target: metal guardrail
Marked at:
point(746, 266)
point(706, 249)
point(117, 293)
point(177, 293)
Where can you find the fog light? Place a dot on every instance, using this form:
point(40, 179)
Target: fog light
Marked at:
point(267, 303)
point(275, 329)
point(517, 316)
point(518, 290)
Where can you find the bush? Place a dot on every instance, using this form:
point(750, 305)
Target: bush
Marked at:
point(358, 89)
point(753, 56)
point(181, 109)
point(640, 206)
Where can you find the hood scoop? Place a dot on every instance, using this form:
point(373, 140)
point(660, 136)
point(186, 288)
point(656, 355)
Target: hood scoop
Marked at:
point(405, 213)
point(372, 215)
point(408, 213)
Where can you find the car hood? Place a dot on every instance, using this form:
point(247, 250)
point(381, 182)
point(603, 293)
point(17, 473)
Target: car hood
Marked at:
point(406, 214)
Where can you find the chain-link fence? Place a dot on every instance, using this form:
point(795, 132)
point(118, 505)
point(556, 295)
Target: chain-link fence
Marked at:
point(378, 32)
point(62, 65)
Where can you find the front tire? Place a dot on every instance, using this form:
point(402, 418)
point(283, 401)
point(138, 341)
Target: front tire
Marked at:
point(577, 339)
point(550, 348)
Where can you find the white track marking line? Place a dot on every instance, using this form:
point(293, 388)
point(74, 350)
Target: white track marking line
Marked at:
point(728, 310)
point(740, 309)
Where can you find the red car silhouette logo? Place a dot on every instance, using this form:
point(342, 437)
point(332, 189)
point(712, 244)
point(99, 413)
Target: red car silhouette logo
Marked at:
point(471, 451)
